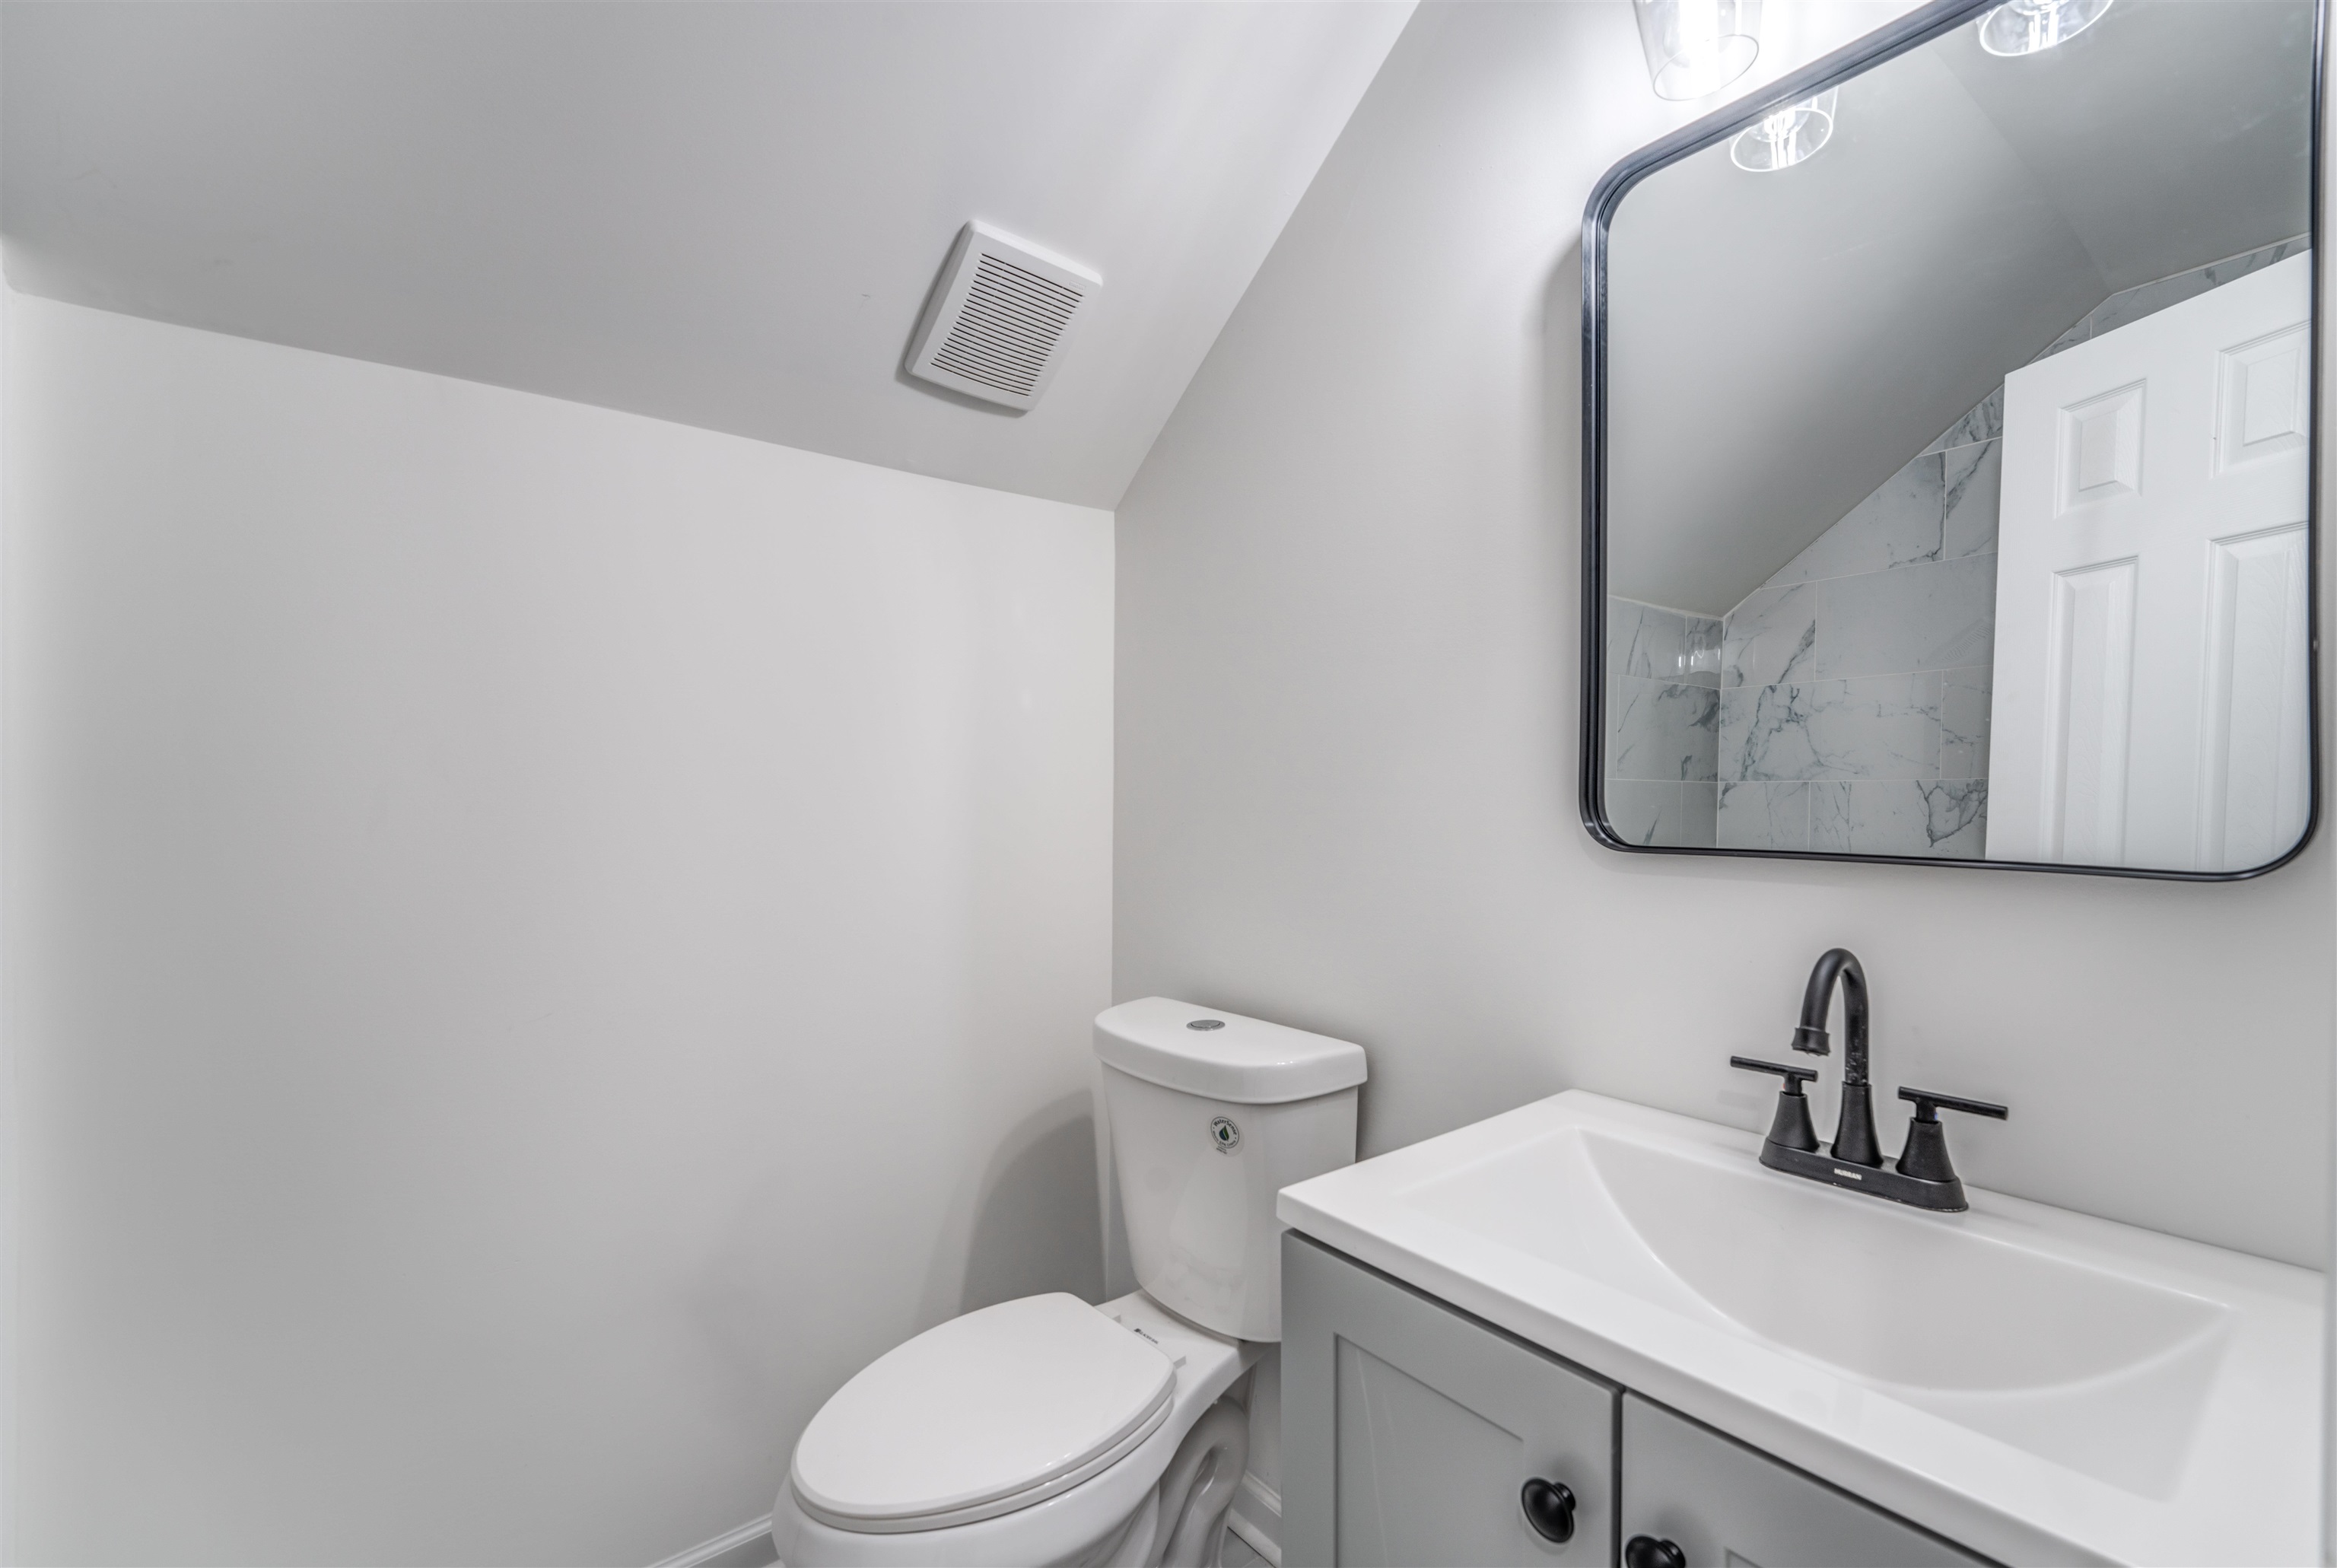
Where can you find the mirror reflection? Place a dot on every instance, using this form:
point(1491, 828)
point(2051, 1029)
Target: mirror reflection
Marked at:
point(1957, 445)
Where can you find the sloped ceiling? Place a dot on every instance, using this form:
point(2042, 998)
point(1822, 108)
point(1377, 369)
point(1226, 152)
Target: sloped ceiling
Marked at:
point(724, 215)
point(1782, 343)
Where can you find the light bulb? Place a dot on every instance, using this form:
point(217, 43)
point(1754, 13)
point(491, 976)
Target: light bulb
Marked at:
point(1695, 47)
point(1784, 136)
point(2028, 27)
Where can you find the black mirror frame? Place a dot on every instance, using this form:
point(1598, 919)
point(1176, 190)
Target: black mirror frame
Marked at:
point(1918, 27)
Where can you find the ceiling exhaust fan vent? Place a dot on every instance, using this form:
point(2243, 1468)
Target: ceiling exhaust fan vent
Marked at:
point(996, 327)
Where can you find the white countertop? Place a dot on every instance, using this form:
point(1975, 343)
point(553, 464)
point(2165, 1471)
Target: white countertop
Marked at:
point(2040, 1385)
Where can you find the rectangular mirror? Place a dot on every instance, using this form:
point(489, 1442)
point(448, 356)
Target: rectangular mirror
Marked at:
point(1948, 453)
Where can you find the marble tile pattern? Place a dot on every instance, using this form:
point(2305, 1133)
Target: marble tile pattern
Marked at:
point(1886, 727)
point(1662, 730)
point(1651, 811)
point(1937, 818)
point(1651, 642)
point(1854, 685)
point(1985, 422)
point(1763, 815)
point(1971, 487)
point(1939, 615)
point(1963, 724)
point(1946, 818)
point(1699, 812)
point(1771, 637)
point(1663, 723)
point(1942, 506)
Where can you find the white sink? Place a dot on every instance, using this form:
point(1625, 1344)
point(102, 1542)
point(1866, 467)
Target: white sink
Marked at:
point(2035, 1383)
point(2100, 1371)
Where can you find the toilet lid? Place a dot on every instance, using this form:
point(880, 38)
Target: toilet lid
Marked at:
point(985, 1414)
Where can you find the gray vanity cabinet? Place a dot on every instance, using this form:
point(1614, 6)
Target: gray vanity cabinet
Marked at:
point(1410, 1431)
point(1725, 1505)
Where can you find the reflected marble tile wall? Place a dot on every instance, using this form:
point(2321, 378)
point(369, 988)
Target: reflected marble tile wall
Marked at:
point(1663, 724)
point(1771, 637)
point(1656, 729)
point(1940, 506)
point(1936, 615)
point(1886, 727)
point(1945, 817)
point(1963, 724)
point(1839, 674)
point(1648, 641)
point(1763, 815)
point(1651, 811)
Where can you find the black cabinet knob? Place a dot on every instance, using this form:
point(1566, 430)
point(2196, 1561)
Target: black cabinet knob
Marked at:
point(1647, 1551)
point(1550, 1509)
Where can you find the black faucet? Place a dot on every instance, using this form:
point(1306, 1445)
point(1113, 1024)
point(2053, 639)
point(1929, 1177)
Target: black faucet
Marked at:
point(1923, 1175)
point(1854, 1142)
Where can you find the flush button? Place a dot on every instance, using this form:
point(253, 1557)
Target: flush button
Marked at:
point(1207, 1023)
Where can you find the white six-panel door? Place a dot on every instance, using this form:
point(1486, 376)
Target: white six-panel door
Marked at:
point(2151, 638)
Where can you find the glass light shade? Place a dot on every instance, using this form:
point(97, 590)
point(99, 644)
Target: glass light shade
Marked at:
point(1694, 47)
point(2026, 26)
point(1786, 136)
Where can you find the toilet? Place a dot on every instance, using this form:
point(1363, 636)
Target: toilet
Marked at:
point(1045, 1430)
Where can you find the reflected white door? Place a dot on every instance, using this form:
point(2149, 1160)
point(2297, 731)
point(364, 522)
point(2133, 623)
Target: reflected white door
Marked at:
point(2151, 652)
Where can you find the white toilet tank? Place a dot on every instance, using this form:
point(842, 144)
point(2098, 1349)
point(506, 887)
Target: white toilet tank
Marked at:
point(1212, 1115)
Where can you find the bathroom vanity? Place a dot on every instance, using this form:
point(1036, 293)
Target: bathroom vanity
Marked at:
point(1589, 1332)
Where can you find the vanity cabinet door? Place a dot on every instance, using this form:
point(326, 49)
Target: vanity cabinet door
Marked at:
point(1724, 1505)
point(1410, 1431)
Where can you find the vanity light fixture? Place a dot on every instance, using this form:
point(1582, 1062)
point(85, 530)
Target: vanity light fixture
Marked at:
point(1695, 47)
point(1786, 135)
point(2027, 26)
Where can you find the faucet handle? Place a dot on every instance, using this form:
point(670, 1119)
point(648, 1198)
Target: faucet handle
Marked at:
point(1925, 1155)
point(1794, 1077)
point(1929, 1105)
point(1791, 1125)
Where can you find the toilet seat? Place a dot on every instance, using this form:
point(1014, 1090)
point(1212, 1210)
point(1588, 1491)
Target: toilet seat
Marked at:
point(982, 1415)
point(1087, 1522)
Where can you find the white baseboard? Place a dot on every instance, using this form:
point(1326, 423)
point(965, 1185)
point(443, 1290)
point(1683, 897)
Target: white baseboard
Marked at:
point(1255, 1516)
point(728, 1540)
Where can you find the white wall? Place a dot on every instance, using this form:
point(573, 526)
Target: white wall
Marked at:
point(1347, 697)
point(538, 942)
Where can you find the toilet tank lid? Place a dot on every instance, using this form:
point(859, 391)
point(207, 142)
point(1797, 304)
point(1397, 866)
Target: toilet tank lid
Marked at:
point(1246, 1061)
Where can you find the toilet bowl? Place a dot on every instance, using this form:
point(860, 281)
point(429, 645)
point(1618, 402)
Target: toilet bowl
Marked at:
point(1045, 1430)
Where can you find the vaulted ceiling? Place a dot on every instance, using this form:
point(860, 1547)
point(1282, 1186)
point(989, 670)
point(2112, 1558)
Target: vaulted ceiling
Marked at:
point(724, 215)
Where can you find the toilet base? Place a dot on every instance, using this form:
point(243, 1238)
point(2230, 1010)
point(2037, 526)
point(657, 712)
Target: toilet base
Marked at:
point(1193, 1495)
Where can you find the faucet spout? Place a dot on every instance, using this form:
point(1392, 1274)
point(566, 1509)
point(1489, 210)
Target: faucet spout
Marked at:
point(1836, 964)
point(1854, 1142)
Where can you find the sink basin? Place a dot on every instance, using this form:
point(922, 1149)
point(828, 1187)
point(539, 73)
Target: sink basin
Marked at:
point(1973, 1327)
point(2033, 1382)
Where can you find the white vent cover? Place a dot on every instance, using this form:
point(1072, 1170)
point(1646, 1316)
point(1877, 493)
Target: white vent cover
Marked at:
point(996, 328)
